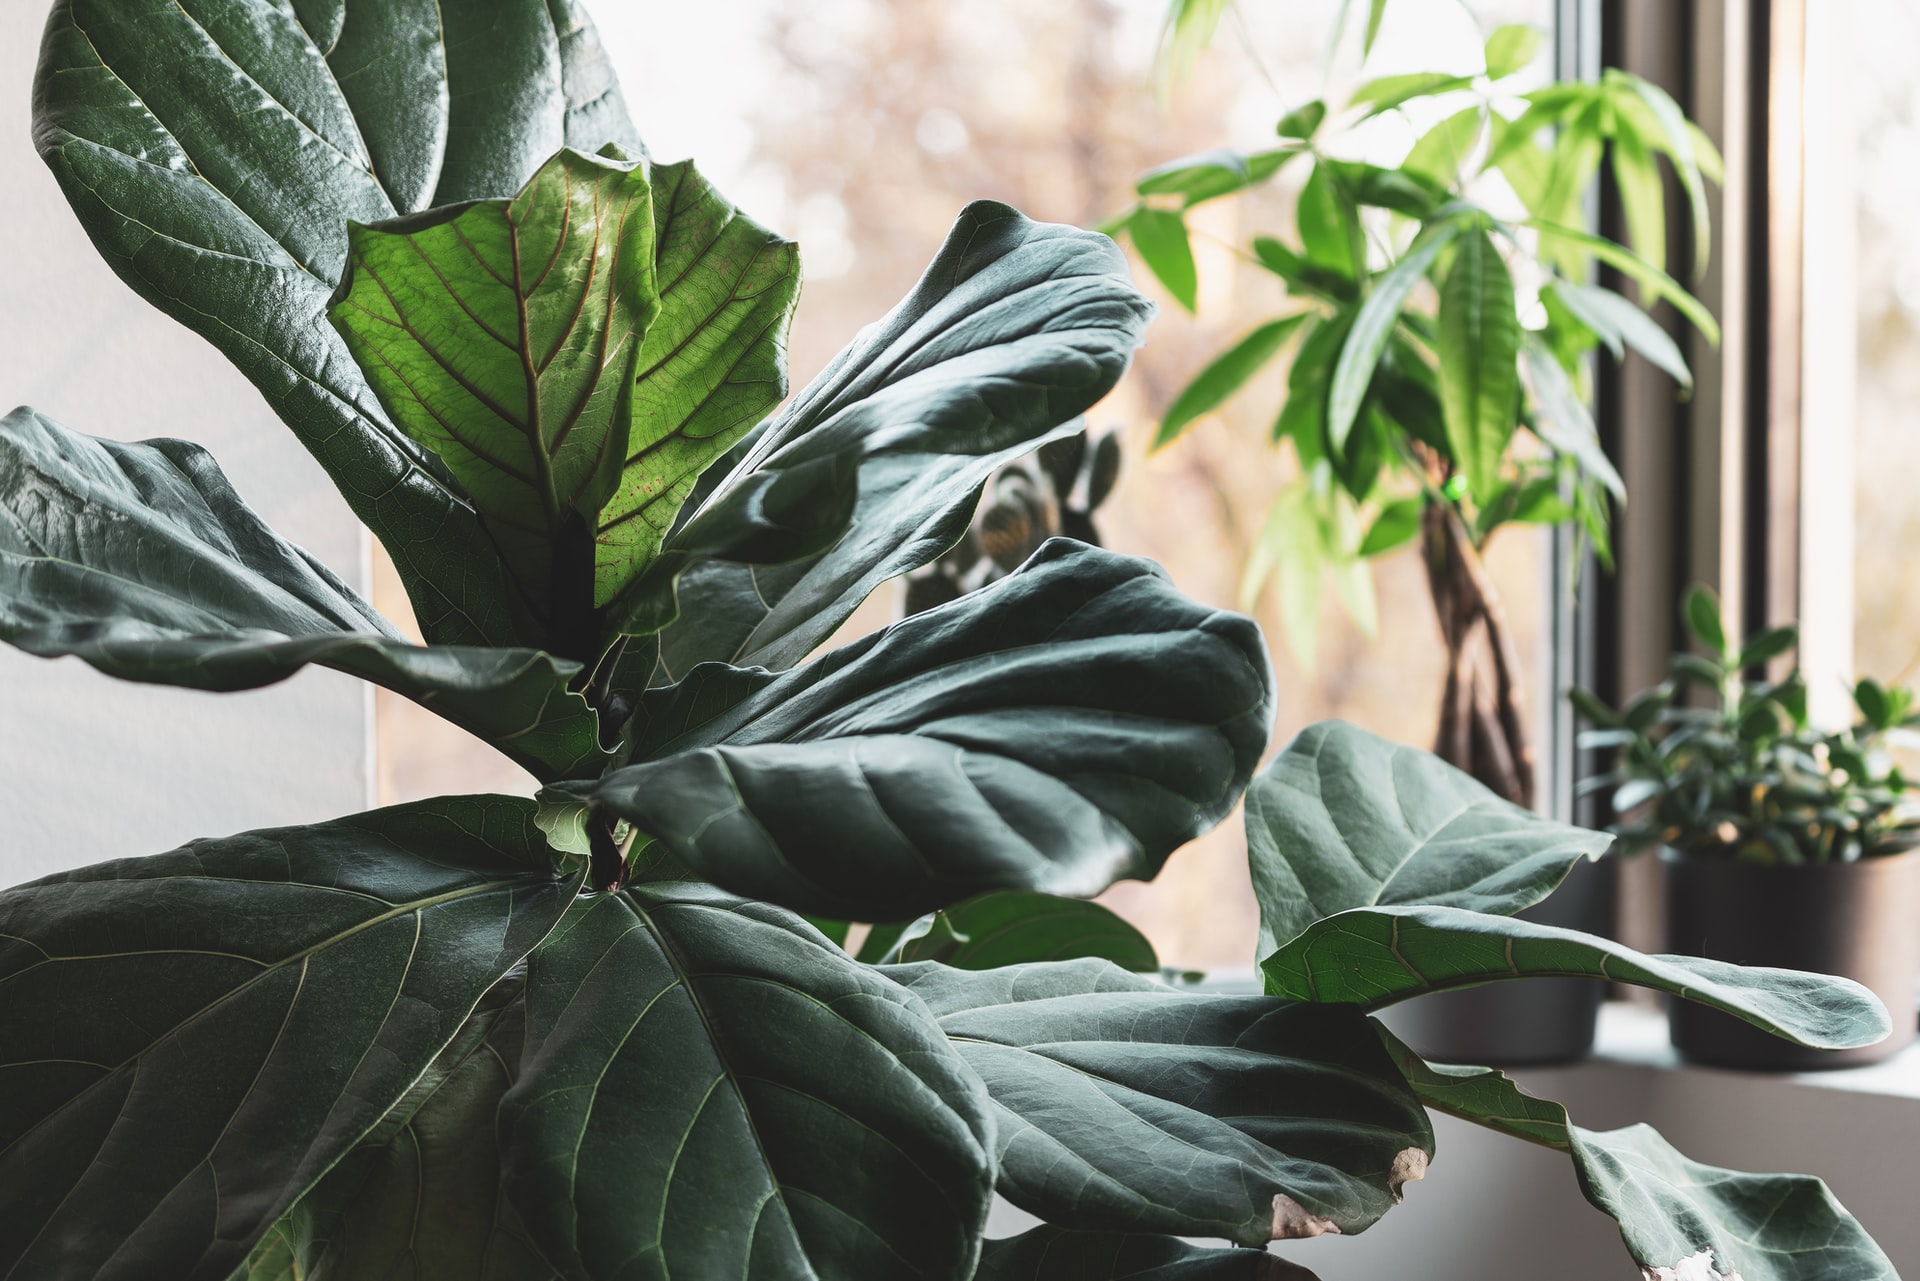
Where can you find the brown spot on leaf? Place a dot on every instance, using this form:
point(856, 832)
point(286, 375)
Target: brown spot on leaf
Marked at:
point(1409, 1166)
point(1291, 1221)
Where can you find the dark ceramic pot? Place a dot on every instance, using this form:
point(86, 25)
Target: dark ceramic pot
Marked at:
point(1860, 920)
point(1535, 1021)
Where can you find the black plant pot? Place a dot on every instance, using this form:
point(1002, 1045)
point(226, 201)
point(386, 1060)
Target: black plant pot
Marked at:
point(1535, 1021)
point(1860, 920)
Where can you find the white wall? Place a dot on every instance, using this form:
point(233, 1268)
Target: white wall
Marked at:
point(92, 768)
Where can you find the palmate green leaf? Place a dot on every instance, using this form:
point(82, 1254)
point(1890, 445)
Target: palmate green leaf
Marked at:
point(874, 469)
point(1377, 955)
point(255, 1005)
point(502, 335)
point(1373, 326)
point(1479, 348)
point(1212, 174)
point(1344, 819)
point(1655, 284)
point(1160, 236)
point(141, 560)
point(1121, 1105)
point(1759, 1227)
point(1071, 724)
point(711, 1088)
point(1619, 323)
point(1228, 373)
point(1055, 1254)
point(1563, 420)
point(421, 1197)
point(216, 154)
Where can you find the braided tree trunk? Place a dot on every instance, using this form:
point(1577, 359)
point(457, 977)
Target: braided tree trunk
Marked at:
point(1483, 728)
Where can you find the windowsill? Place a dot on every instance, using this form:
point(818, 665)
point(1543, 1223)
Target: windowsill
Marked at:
point(1634, 1036)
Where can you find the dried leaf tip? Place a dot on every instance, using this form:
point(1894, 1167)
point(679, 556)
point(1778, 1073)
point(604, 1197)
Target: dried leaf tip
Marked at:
point(1409, 1166)
point(1291, 1220)
point(1695, 1267)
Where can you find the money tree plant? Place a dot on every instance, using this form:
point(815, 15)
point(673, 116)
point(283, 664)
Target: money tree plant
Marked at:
point(613, 1032)
point(1440, 317)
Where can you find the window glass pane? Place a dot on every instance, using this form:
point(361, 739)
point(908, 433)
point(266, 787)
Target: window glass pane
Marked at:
point(860, 127)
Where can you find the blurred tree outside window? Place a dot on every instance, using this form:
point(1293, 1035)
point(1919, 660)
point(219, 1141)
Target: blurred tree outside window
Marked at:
point(860, 127)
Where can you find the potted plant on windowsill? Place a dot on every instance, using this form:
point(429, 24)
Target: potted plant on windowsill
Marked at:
point(1783, 844)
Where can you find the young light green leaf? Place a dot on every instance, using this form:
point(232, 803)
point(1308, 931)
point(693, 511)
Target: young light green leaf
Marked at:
point(1374, 956)
point(1160, 236)
point(1642, 198)
point(1442, 152)
point(1387, 92)
point(1376, 10)
point(1655, 282)
point(1344, 819)
point(1702, 613)
point(1329, 225)
point(1676, 1215)
point(1289, 553)
point(1561, 418)
point(1116, 1109)
point(503, 335)
point(1397, 525)
point(1302, 122)
point(713, 362)
point(1373, 326)
point(1511, 48)
point(1617, 320)
point(1227, 374)
point(1479, 348)
point(1686, 163)
point(1188, 29)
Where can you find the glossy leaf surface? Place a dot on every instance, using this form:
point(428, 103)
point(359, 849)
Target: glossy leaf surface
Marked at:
point(1053, 1254)
point(1344, 819)
point(421, 1196)
point(1759, 1227)
point(713, 1089)
point(1374, 956)
point(1122, 1105)
point(1070, 725)
point(502, 336)
point(216, 152)
point(273, 996)
point(874, 469)
point(141, 560)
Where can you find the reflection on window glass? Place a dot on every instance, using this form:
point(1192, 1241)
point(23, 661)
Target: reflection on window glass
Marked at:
point(860, 127)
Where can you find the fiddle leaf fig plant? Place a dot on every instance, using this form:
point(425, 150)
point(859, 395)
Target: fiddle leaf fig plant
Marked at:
point(591, 1035)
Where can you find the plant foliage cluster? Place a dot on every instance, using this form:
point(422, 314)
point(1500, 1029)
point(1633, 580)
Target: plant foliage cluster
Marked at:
point(617, 1032)
point(1747, 775)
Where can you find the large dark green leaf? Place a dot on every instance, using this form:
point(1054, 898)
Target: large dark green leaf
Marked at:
point(1758, 1227)
point(1375, 956)
point(874, 469)
point(713, 1089)
point(1054, 1254)
point(193, 1039)
point(1479, 348)
point(140, 559)
point(1122, 1105)
point(421, 1197)
point(503, 336)
point(216, 150)
point(1012, 927)
point(1070, 725)
point(1345, 819)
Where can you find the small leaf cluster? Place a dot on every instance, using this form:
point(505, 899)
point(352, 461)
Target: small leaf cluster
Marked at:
point(1721, 760)
point(1440, 338)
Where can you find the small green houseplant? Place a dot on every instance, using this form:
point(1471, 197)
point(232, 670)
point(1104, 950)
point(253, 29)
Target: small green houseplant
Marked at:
point(1441, 325)
point(1785, 843)
point(594, 1037)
